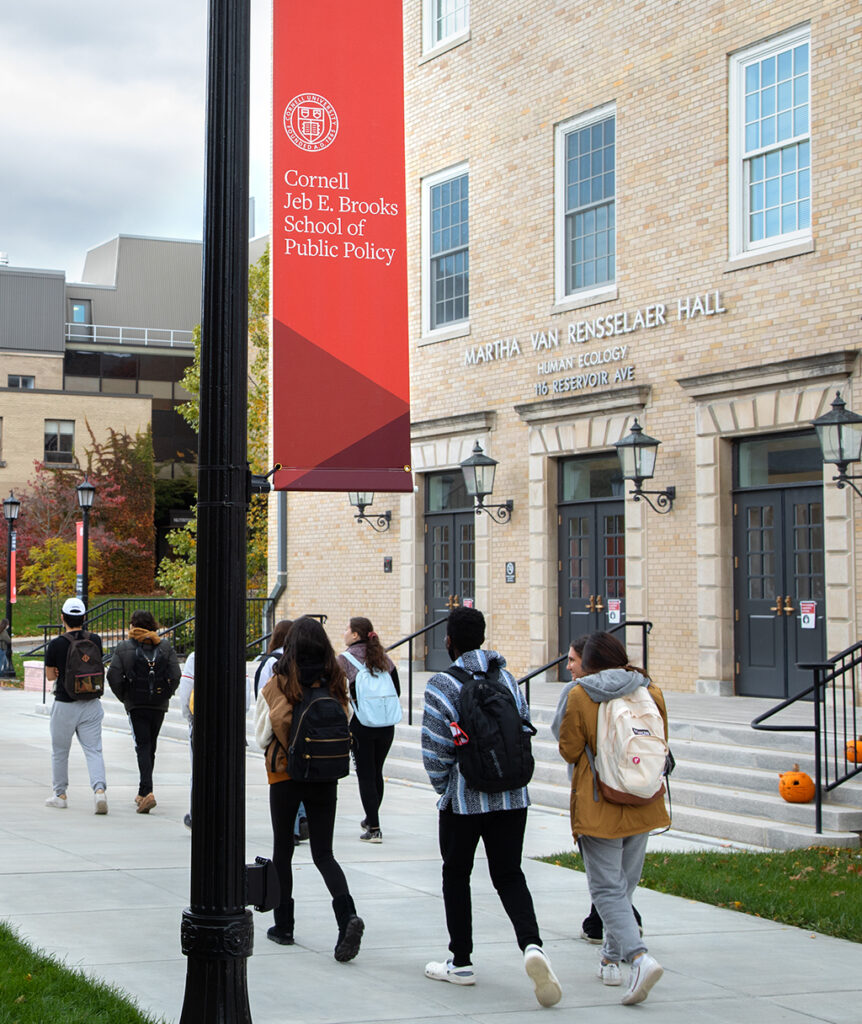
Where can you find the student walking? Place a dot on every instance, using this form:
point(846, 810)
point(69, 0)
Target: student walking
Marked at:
point(468, 814)
point(77, 709)
point(284, 708)
point(144, 674)
point(612, 836)
point(372, 680)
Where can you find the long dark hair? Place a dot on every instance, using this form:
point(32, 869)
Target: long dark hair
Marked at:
point(279, 635)
point(603, 650)
point(375, 656)
point(308, 646)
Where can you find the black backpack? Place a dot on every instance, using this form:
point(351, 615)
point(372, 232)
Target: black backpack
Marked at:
point(319, 749)
point(148, 681)
point(84, 675)
point(495, 755)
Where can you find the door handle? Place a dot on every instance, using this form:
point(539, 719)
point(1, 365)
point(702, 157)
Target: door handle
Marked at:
point(452, 602)
point(788, 605)
point(591, 604)
point(599, 605)
point(779, 605)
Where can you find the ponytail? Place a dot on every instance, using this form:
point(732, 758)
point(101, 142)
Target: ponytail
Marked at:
point(375, 655)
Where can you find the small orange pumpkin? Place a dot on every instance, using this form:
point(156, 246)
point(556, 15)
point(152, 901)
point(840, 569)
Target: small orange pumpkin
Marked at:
point(796, 787)
point(853, 750)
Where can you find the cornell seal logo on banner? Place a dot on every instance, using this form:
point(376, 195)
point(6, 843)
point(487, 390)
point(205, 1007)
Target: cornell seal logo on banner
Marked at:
point(310, 122)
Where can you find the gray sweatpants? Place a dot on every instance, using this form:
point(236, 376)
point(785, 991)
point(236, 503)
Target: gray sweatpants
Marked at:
point(613, 868)
point(81, 718)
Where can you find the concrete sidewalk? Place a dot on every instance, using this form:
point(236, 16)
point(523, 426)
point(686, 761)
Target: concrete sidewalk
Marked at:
point(106, 894)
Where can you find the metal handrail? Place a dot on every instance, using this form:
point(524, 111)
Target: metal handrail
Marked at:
point(113, 334)
point(646, 629)
point(409, 641)
point(834, 671)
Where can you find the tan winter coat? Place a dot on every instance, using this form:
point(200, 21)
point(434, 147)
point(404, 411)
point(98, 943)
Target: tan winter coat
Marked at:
point(602, 819)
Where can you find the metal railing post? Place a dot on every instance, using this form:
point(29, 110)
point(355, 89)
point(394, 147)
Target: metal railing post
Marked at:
point(410, 681)
point(818, 794)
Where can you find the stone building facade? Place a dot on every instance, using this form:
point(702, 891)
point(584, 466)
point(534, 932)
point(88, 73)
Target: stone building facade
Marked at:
point(616, 212)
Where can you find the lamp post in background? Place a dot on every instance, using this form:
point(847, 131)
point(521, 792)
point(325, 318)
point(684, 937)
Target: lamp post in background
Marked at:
point(86, 492)
point(11, 508)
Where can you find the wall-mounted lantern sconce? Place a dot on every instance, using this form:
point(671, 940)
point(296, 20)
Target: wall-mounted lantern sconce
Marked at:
point(840, 435)
point(637, 452)
point(361, 500)
point(479, 472)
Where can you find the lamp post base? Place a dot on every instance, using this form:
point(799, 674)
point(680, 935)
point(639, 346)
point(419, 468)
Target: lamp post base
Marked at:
point(216, 982)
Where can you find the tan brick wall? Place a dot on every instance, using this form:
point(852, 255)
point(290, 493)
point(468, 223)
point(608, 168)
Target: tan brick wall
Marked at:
point(47, 370)
point(494, 102)
point(24, 414)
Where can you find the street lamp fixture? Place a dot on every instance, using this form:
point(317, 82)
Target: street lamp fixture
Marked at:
point(11, 509)
point(637, 454)
point(840, 435)
point(479, 470)
point(361, 500)
point(85, 492)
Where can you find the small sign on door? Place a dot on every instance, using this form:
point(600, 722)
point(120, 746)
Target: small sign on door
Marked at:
point(807, 614)
point(614, 611)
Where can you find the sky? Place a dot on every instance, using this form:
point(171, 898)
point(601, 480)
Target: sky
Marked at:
point(102, 124)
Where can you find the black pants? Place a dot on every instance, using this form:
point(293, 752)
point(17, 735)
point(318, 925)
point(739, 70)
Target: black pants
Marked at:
point(370, 747)
point(146, 723)
point(319, 799)
point(502, 833)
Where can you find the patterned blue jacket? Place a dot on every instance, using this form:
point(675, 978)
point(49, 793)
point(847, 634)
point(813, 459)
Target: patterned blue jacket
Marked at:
point(442, 706)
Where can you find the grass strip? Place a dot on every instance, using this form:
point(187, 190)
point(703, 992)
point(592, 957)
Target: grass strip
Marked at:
point(818, 889)
point(35, 988)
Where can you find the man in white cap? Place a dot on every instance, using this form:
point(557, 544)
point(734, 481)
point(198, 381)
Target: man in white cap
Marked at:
point(80, 715)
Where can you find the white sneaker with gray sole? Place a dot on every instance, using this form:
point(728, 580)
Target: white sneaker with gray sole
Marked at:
point(447, 971)
point(538, 967)
point(645, 972)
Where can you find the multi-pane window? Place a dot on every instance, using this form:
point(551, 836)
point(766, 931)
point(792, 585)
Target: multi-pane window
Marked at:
point(59, 441)
point(586, 203)
point(445, 20)
point(21, 381)
point(771, 143)
point(448, 268)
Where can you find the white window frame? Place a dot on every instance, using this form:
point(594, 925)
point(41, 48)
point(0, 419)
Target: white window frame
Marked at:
point(70, 461)
point(790, 243)
point(606, 291)
point(431, 47)
point(460, 327)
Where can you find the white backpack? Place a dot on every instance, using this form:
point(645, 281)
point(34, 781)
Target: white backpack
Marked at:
point(631, 758)
point(377, 703)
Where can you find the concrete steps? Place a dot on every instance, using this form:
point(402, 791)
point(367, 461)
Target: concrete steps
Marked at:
point(725, 785)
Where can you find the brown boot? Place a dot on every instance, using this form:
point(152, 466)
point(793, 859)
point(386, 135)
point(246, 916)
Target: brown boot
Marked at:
point(145, 803)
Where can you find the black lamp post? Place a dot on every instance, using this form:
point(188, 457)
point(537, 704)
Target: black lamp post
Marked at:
point(216, 931)
point(637, 454)
point(840, 435)
point(11, 508)
point(361, 500)
point(479, 470)
point(86, 492)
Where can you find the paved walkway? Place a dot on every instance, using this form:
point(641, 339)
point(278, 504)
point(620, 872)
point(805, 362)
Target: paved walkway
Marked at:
point(107, 893)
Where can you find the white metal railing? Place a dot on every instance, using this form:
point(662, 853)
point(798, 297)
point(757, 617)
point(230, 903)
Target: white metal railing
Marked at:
point(111, 334)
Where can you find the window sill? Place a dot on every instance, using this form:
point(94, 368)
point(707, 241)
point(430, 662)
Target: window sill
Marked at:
point(461, 330)
point(445, 46)
point(756, 259)
point(607, 293)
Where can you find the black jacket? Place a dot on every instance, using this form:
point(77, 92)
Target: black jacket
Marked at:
point(121, 670)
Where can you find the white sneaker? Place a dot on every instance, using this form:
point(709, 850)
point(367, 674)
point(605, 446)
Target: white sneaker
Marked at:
point(645, 972)
point(609, 973)
point(449, 972)
point(101, 801)
point(57, 801)
point(538, 967)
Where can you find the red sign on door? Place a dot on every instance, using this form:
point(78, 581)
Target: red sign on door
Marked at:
point(341, 414)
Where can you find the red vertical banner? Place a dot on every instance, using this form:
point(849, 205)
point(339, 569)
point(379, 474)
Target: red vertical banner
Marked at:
point(13, 578)
point(79, 547)
point(341, 412)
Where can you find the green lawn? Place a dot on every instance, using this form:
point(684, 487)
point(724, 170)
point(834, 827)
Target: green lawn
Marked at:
point(819, 889)
point(35, 989)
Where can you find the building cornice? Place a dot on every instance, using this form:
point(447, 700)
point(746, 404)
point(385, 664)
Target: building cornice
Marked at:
point(449, 426)
point(635, 397)
point(707, 386)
